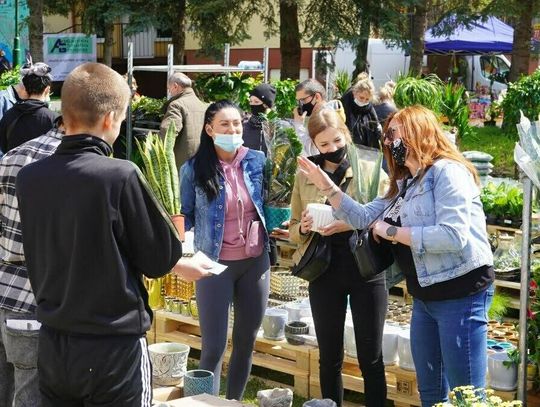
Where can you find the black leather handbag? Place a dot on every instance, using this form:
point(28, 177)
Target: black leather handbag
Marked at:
point(315, 260)
point(373, 258)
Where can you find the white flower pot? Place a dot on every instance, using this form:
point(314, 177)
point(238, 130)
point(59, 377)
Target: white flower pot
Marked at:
point(349, 339)
point(390, 344)
point(501, 377)
point(404, 350)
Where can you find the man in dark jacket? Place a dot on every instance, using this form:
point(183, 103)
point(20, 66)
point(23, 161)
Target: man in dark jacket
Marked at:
point(29, 118)
point(261, 100)
point(91, 229)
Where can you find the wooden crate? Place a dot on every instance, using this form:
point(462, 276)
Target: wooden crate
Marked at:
point(401, 384)
point(275, 355)
point(285, 250)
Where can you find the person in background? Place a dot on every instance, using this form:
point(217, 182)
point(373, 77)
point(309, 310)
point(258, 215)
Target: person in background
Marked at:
point(361, 118)
point(5, 65)
point(222, 195)
point(311, 96)
point(91, 228)
point(437, 234)
point(13, 94)
point(328, 293)
point(18, 345)
point(186, 111)
point(134, 94)
point(29, 118)
point(385, 102)
point(261, 100)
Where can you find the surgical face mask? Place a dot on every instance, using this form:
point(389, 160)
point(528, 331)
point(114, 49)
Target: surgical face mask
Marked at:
point(335, 156)
point(228, 142)
point(257, 109)
point(360, 104)
point(399, 152)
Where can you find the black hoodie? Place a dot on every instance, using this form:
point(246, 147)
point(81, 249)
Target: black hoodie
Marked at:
point(91, 229)
point(25, 121)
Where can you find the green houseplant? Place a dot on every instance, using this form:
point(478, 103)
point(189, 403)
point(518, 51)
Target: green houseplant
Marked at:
point(280, 170)
point(148, 112)
point(159, 169)
point(412, 90)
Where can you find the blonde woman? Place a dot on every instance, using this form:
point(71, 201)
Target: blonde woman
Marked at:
point(329, 292)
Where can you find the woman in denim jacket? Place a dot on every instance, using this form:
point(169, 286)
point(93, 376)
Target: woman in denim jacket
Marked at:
point(437, 233)
point(221, 191)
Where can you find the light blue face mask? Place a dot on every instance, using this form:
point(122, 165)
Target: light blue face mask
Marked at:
point(228, 142)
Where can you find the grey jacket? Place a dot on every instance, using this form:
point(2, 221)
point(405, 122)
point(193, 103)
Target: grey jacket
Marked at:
point(186, 110)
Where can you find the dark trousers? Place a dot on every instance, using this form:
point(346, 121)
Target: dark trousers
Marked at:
point(368, 300)
point(91, 371)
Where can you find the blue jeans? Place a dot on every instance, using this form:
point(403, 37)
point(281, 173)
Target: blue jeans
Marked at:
point(448, 343)
point(19, 385)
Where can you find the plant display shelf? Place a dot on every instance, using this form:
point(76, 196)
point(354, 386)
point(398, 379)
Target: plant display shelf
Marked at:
point(274, 355)
point(401, 384)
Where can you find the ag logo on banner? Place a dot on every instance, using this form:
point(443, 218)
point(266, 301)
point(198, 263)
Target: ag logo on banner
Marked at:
point(64, 52)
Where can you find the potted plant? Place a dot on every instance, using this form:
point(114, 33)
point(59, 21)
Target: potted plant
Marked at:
point(411, 90)
point(280, 170)
point(159, 169)
point(147, 112)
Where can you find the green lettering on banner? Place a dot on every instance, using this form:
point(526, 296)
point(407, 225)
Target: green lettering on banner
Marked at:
point(70, 45)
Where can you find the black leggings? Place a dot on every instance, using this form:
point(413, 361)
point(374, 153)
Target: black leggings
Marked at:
point(368, 300)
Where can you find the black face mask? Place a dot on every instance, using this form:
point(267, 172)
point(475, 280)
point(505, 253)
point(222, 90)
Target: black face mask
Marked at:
point(307, 108)
point(399, 152)
point(335, 156)
point(257, 109)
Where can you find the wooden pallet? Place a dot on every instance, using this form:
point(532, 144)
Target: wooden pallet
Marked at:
point(275, 355)
point(401, 384)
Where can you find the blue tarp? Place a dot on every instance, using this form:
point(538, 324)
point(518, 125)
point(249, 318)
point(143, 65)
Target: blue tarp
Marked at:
point(491, 36)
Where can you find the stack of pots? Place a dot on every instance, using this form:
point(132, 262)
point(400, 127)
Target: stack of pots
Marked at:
point(503, 332)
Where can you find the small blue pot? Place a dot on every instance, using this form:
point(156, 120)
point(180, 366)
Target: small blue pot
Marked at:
point(198, 382)
point(275, 216)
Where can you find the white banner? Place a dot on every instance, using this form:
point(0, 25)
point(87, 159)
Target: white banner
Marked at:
point(64, 52)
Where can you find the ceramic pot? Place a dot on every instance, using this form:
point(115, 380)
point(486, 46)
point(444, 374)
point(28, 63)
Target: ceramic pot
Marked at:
point(274, 321)
point(169, 362)
point(193, 310)
point(501, 377)
point(311, 325)
point(505, 345)
point(404, 350)
point(293, 330)
point(349, 340)
point(390, 345)
point(297, 311)
point(275, 398)
point(198, 382)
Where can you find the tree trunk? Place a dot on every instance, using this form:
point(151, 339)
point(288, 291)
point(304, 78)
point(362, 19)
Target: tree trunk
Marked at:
point(521, 48)
point(108, 44)
point(418, 29)
point(361, 48)
point(289, 40)
point(179, 33)
point(35, 29)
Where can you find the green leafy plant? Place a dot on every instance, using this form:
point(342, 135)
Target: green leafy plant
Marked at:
point(412, 90)
point(281, 165)
point(470, 396)
point(454, 106)
point(148, 109)
point(9, 78)
point(499, 306)
point(522, 95)
point(159, 168)
point(514, 356)
point(342, 82)
point(503, 201)
point(234, 86)
point(285, 97)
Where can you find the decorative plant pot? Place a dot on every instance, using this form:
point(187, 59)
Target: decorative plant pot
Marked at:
point(274, 321)
point(198, 382)
point(179, 223)
point(293, 330)
point(155, 298)
point(349, 342)
point(298, 310)
point(275, 398)
point(404, 350)
point(275, 216)
point(169, 362)
point(390, 344)
point(193, 310)
point(501, 377)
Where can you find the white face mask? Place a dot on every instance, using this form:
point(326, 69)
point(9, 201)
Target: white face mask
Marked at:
point(228, 142)
point(360, 103)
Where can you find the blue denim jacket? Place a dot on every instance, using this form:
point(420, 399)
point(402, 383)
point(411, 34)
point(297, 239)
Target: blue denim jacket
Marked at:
point(208, 217)
point(447, 221)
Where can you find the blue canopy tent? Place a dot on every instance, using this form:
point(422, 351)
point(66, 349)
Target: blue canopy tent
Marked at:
point(489, 37)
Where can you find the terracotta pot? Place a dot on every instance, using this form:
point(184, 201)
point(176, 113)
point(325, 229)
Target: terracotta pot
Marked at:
point(179, 224)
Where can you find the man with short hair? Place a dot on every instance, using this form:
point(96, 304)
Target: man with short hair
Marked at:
point(186, 111)
point(311, 96)
point(91, 229)
point(19, 330)
point(29, 118)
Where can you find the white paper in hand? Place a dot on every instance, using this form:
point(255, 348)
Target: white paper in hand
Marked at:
point(216, 268)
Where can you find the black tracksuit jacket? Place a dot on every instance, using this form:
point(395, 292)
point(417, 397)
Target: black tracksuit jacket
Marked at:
point(91, 230)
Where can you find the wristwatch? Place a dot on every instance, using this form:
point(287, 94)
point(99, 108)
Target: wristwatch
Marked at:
point(392, 232)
